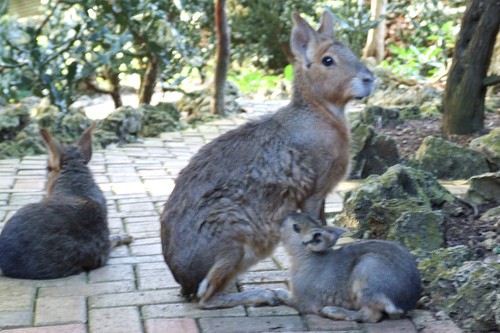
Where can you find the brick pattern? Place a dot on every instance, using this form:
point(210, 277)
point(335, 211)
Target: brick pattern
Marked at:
point(136, 292)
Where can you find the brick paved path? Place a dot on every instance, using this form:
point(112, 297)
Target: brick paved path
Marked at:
point(136, 292)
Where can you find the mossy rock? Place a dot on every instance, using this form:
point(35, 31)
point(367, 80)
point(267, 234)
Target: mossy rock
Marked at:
point(27, 142)
point(163, 117)
point(30, 141)
point(196, 104)
point(379, 200)
point(419, 230)
point(473, 302)
point(380, 116)
point(13, 119)
point(432, 265)
point(123, 125)
point(490, 144)
point(432, 109)
point(465, 290)
point(371, 152)
point(410, 112)
point(396, 90)
point(445, 159)
point(484, 188)
point(67, 127)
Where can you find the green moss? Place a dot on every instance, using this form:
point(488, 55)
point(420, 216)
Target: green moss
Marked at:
point(418, 230)
point(474, 303)
point(163, 117)
point(445, 159)
point(433, 265)
point(378, 201)
point(490, 144)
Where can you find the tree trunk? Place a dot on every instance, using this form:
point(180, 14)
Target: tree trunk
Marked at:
point(495, 65)
point(113, 77)
point(463, 100)
point(114, 85)
point(148, 80)
point(376, 37)
point(223, 48)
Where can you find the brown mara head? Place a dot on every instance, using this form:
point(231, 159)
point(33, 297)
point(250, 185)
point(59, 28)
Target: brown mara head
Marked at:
point(326, 70)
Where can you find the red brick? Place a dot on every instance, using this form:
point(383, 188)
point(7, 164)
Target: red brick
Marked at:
point(180, 325)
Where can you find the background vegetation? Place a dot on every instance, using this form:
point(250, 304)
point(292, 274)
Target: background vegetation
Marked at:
point(80, 47)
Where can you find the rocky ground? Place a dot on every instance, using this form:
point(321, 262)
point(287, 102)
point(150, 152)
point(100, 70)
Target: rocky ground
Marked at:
point(410, 134)
point(466, 228)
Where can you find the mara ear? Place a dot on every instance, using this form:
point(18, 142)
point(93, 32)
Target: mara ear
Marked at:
point(317, 240)
point(335, 232)
point(326, 26)
point(54, 150)
point(301, 39)
point(321, 239)
point(85, 143)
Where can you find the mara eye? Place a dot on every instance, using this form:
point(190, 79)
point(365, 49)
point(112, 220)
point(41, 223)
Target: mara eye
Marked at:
point(296, 228)
point(49, 169)
point(328, 61)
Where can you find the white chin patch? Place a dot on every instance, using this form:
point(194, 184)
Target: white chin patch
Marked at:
point(361, 89)
point(202, 288)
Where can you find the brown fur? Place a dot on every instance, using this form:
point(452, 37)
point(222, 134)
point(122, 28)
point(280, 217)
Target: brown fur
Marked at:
point(225, 211)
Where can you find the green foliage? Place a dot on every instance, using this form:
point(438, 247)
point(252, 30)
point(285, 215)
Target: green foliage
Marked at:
point(352, 22)
point(79, 40)
point(261, 30)
point(424, 61)
point(427, 18)
point(42, 59)
point(252, 80)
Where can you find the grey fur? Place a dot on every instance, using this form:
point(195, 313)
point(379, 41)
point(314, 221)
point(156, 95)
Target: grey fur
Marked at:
point(359, 281)
point(67, 232)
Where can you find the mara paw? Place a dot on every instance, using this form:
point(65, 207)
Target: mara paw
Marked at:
point(202, 289)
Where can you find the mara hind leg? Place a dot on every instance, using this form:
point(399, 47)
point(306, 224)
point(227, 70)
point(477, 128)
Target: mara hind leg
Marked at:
point(256, 297)
point(117, 240)
point(220, 275)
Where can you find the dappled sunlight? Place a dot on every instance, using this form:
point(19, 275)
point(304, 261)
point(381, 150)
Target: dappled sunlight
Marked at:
point(159, 187)
point(155, 187)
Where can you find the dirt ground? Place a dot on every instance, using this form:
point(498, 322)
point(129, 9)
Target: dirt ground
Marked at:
point(465, 228)
point(410, 134)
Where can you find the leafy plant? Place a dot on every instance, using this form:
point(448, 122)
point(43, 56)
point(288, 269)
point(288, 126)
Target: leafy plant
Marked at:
point(424, 61)
point(261, 30)
point(44, 58)
point(85, 42)
point(253, 80)
point(352, 22)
